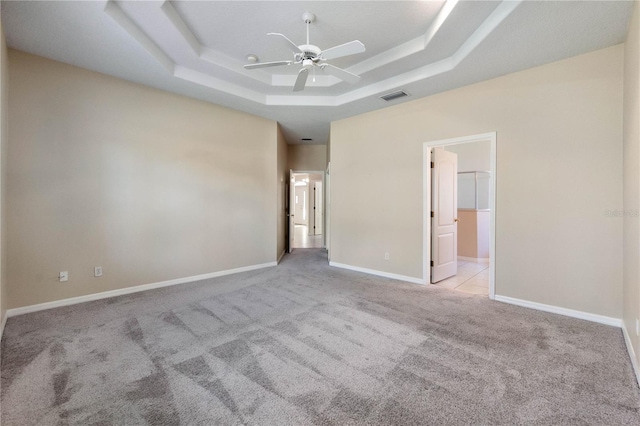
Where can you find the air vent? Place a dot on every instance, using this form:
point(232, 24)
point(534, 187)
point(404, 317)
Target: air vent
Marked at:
point(394, 95)
point(306, 139)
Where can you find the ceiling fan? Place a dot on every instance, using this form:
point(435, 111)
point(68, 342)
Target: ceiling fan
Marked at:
point(312, 57)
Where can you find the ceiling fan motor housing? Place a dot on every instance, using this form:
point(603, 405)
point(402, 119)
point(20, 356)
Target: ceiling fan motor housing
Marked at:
point(309, 51)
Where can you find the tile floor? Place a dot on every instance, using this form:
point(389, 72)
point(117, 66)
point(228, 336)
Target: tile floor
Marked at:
point(472, 277)
point(302, 239)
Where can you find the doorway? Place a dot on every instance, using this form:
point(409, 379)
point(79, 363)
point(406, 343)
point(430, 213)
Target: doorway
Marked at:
point(474, 214)
point(306, 215)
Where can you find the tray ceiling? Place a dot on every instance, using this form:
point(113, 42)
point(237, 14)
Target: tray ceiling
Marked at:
point(422, 47)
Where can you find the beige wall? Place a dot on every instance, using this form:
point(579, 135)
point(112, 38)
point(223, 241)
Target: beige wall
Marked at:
point(473, 233)
point(307, 157)
point(283, 173)
point(4, 139)
point(468, 233)
point(149, 185)
point(559, 158)
point(632, 179)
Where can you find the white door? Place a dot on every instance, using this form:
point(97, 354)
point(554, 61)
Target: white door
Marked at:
point(327, 212)
point(292, 206)
point(444, 212)
point(318, 208)
point(301, 205)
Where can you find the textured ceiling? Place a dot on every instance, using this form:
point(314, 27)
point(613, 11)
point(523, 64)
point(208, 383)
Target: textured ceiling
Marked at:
point(422, 47)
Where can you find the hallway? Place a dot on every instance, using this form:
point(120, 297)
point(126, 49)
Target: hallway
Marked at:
point(302, 239)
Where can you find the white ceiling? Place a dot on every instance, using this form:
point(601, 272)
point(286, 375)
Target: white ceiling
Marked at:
point(422, 47)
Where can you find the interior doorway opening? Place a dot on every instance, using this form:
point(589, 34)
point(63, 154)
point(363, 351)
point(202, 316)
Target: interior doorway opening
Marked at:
point(306, 209)
point(459, 213)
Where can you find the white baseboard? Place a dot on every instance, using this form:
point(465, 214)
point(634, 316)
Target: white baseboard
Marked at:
point(632, 353)
point(128, 290)
point(616, 322)
point(378, 273)
point(281, 256)
point(475, 259)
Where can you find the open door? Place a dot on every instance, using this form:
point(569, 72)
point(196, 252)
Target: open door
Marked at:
point(444, 212)
point(317, 208)
point(292, 206)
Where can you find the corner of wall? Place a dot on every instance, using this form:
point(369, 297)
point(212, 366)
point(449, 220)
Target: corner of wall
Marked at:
point(631, 185)
point(281, 176)
point(4, 135)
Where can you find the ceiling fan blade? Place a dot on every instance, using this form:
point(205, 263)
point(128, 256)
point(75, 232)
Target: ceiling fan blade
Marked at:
point(340, 73)
point(287, 43)
point(301, 80)
point(346, 49)
point(266, 64)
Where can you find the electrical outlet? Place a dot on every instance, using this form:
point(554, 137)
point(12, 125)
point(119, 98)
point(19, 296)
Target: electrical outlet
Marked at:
point(637, 327)
point(386, 256)
point(97, 271)
point(63, 276)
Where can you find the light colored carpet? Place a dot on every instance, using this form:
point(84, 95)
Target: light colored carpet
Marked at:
point(304, 343)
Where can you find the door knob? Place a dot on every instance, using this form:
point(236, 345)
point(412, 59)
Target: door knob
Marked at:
point(456, 220)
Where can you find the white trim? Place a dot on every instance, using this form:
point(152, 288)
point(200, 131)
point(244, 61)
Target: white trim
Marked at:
point(281, 256)
point(426, 212)
point(426, 203)
point(475, 259)
point(601, 319)
point(378, 273)
point(632, 353)
point(128, 290)
point(112, 9)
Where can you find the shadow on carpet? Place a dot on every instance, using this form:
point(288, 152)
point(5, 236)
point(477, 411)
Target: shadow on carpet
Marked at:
point(307, 344)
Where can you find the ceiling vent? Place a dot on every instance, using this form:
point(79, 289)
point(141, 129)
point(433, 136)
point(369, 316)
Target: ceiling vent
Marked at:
point(306, 139)
point(394, 95)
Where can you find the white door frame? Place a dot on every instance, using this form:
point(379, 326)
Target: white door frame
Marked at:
point(426, 203)
point(327, 211)
point(324, 201)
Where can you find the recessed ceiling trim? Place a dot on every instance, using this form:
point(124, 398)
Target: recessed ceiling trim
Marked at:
point(392, 55)
point(218, 84)
point(114, 11)
point(439, 21)
point(393, 83)
point(172, 14)
point(491, 23)
point(216, 58)
point(287, 100)
point(408, 48)
point(205, 53)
